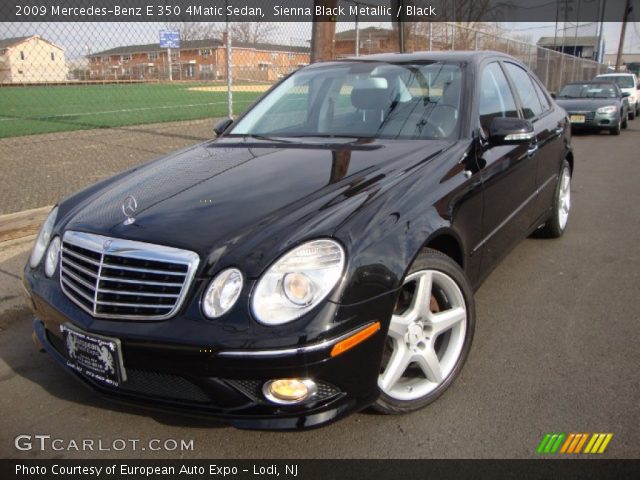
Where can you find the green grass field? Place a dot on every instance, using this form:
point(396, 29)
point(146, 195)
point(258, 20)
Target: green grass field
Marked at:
point(34, 109)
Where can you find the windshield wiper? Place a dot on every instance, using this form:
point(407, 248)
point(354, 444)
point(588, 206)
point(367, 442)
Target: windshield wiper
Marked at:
point(326, 135)
point(269, 139)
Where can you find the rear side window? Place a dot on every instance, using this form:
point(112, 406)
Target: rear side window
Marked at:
point(496, 99)
point(623, 81)
point(543, 98)
point(531, 106)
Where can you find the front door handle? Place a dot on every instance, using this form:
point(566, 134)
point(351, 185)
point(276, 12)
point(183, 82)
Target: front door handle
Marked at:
point(531, 151)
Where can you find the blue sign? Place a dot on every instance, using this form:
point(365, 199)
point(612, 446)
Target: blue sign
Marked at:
point(169, 39)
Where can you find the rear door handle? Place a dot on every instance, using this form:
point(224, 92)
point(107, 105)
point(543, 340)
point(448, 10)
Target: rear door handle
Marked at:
point(531, 151)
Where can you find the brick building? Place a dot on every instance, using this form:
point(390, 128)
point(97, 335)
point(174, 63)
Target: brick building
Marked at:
point(371, 39)
point(197, 60)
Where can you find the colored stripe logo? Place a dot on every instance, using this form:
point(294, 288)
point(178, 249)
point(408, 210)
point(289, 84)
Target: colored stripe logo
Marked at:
point(574, 443)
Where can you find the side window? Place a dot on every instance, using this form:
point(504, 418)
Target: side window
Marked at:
point(496, 99)
point(543, 98)
point(531, 106)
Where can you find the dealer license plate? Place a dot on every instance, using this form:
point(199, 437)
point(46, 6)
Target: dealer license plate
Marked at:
point(95, 356)
point(577, 118)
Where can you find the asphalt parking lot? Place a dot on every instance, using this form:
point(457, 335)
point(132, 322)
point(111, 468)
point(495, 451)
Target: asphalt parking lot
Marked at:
point(556, 350)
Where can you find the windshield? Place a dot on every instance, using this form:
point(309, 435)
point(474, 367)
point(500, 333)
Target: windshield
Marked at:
point(361, 99)
point(623, 81)
point(588, 90)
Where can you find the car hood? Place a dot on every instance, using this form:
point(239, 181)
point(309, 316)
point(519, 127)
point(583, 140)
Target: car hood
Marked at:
point(231, 199)
point(584, 104)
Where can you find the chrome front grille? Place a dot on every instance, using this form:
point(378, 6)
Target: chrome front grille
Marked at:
point(117, 278)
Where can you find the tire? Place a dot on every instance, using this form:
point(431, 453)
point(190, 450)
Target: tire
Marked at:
point(625, 123)
point(632, 115)
point(432, 349)
point(617, 129)
point(556, 225)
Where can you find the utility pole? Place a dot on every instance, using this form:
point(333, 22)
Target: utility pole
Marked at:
point(625, 18)
point(599, 58)
point(323, 33)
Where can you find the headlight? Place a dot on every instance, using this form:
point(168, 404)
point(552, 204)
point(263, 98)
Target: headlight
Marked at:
point(43, 239)
point(222, 293)
point(298, 281)
point(632, 99)
point(51, 260)
point(608, 109)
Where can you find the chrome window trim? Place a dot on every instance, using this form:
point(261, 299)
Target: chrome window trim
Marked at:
point(129, 249)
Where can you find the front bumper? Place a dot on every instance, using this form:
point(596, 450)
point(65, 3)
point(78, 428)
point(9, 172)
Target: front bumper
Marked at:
point(222, 383)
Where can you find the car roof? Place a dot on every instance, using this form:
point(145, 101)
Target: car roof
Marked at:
point(592, 82)
point(619, 74)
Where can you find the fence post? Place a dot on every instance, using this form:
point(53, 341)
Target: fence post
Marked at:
point(430, 36)
point(229, 73)
point(453, 36)
point(475, 41)
point(561, 69)
point(546, 73)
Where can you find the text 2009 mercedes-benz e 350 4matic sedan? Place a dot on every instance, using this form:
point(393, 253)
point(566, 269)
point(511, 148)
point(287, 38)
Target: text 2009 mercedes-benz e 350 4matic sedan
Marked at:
point(320, 256)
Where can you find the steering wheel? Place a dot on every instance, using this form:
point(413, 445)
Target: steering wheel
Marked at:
point(440, 122)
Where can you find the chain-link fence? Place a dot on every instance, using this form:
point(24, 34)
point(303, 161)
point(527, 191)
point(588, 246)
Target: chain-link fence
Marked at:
point(552, 67)
point(69, 76)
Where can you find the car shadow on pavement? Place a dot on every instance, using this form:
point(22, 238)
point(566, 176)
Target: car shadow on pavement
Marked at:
point(23, 360)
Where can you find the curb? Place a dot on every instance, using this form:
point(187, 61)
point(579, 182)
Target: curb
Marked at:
point(22, 224)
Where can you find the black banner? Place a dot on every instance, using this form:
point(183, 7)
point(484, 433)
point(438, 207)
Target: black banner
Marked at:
point(316, 10)
point(319, 469)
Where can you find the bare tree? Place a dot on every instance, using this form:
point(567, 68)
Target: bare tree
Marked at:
point(469, 15)
point(196, 30)
point(252, 32)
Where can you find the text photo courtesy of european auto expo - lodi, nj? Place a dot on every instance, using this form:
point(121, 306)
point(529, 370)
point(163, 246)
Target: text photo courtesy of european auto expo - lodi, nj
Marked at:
point(307, 230)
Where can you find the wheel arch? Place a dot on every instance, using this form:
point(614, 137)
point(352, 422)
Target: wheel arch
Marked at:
point(447, 242)
point(569, 159)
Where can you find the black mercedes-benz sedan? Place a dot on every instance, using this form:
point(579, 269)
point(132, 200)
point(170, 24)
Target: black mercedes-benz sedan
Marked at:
point(320, 256)
point(595, 105)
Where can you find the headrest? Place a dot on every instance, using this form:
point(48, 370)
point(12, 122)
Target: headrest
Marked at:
point(452, 93)
point(370, 94)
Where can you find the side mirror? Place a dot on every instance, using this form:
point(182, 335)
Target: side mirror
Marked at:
point(625, 94)
point(222, 126)
point(510, 131)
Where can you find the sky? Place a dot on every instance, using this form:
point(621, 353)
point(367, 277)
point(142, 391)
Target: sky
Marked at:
point(78, 39)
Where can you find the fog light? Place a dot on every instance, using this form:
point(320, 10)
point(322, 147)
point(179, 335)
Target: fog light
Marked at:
point(289, 390)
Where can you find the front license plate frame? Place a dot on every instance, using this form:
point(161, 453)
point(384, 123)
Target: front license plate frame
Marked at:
point(577, 119)
point(95, 356)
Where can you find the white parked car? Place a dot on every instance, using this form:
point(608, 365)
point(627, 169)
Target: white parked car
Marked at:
point(628, 82)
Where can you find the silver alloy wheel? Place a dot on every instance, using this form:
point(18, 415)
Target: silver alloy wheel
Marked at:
point(426, 338)
point(564, 200)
